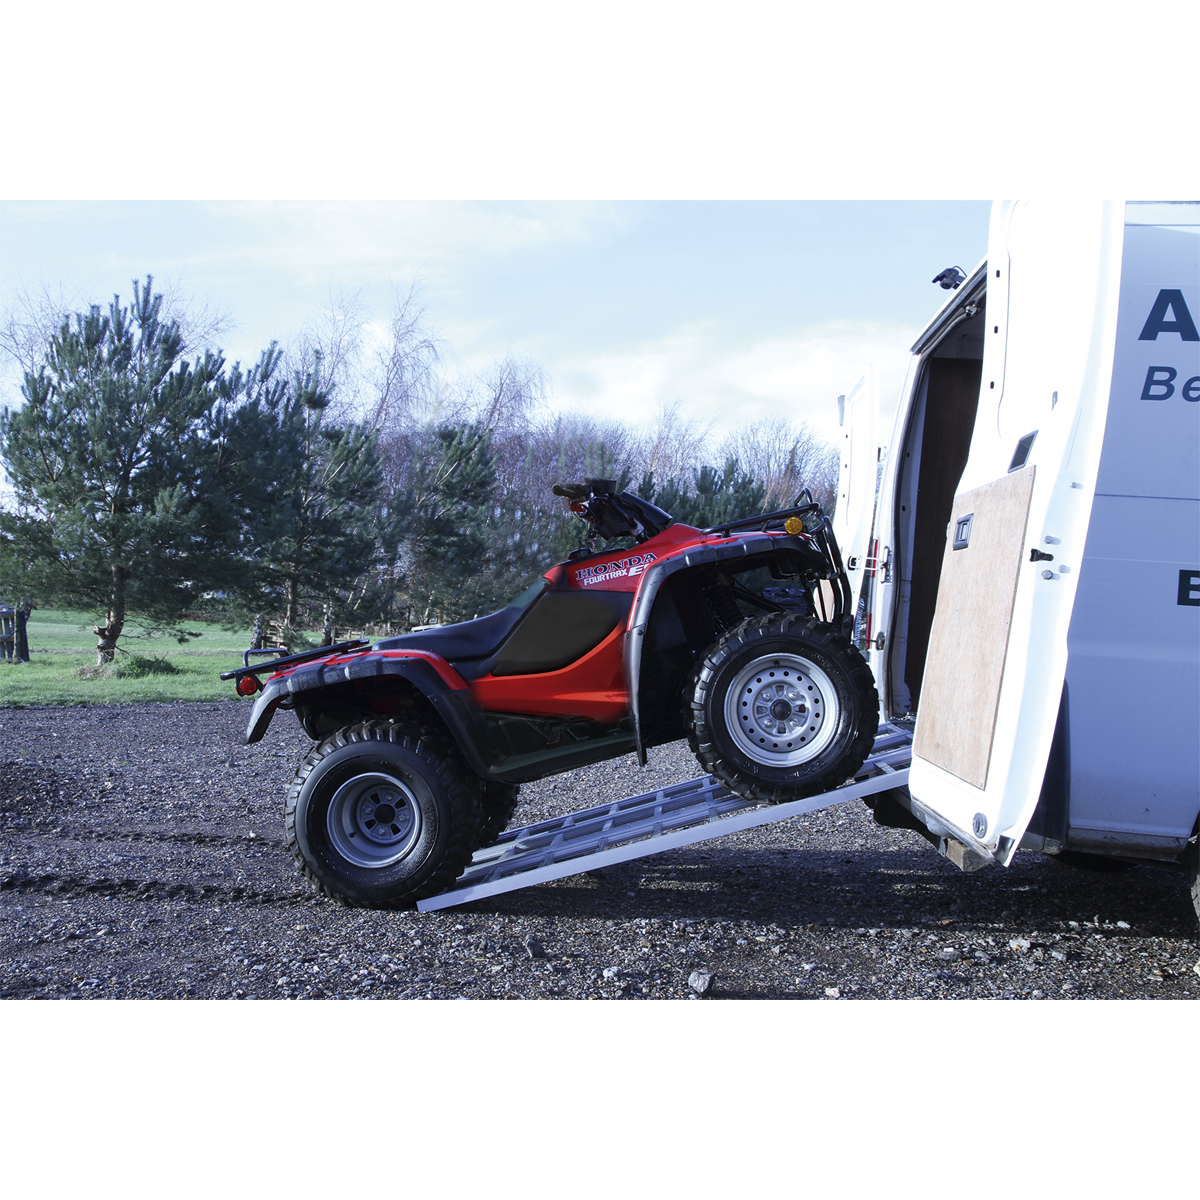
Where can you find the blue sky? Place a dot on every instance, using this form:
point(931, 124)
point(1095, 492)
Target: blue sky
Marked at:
point(738, 310)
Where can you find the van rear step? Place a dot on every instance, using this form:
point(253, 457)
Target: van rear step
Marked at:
point(651, 823)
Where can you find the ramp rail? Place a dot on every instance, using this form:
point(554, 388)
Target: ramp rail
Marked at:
point(638, 826)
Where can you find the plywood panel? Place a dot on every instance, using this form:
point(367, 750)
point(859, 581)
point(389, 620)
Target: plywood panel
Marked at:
point(969, 641)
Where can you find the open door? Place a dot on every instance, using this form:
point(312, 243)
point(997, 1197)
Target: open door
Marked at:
point(858, 414)
point(997, 655)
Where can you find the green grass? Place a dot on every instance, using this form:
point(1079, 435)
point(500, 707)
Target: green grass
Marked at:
point(62, 667)
point(57, 629)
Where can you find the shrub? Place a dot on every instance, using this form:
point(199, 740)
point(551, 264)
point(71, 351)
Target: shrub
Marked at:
point(136, 666)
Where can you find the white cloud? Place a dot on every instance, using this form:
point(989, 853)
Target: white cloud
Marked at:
point(379, 239)
point(798, 378)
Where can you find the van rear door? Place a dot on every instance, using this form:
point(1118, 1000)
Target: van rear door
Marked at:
point(859, 418)
point(998, 646)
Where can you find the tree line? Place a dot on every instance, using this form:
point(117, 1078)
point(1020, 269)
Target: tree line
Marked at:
point(334, 485)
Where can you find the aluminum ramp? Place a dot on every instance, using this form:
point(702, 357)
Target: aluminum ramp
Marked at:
point(639, 826)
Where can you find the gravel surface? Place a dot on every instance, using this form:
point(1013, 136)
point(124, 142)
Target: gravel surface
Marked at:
point(142, 855)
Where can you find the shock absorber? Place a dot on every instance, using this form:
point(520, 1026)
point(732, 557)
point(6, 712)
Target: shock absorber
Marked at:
point(723, 605)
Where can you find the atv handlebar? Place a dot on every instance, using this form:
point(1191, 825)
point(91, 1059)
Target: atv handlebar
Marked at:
point(612, 514)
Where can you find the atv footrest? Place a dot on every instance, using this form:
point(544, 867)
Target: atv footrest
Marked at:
point(651, 823)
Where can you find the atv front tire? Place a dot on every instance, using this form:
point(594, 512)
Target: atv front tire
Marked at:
point(782, 707)
point(380, 816)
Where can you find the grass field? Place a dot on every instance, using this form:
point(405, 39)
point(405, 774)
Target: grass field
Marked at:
point(62, 666)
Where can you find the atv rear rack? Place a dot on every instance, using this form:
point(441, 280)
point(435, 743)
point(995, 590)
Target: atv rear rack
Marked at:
point(651, 823)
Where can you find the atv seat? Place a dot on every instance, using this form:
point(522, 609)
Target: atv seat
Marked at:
point(568, 623)
point(468, 639)
point(471, 640)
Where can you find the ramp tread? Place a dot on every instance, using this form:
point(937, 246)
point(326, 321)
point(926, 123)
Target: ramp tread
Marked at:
point(636, 826)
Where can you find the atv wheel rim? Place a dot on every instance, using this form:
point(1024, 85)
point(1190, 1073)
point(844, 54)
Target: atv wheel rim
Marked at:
point(373, 820)
point(781, 710)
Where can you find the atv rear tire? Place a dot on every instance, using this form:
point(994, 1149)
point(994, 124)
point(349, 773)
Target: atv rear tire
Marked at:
point(380, 816)
point(499, 804)
point(782, 707)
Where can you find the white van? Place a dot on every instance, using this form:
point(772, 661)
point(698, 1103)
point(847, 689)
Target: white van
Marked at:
point(1026, 549)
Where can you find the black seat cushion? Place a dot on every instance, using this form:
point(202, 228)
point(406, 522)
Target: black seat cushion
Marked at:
point(562, 627)
point(468, 639)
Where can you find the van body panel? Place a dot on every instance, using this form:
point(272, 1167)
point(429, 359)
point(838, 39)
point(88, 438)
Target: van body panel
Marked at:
point(1133, 669)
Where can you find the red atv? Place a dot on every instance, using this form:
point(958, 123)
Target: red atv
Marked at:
point(736, 637)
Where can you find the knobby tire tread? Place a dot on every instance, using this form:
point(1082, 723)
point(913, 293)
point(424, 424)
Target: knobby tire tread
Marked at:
point(463, 798)
point(498, 801)
point(821, 636)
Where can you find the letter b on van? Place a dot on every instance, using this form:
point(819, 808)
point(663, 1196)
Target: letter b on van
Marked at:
point(1159, 377)
point(1189, 588)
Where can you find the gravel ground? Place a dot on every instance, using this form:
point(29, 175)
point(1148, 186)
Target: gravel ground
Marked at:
point(142, 855)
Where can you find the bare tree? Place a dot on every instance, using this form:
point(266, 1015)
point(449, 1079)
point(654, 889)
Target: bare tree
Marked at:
point(34, 317)
point(673, 446)
point(333, 339)
point(785, 458)
point(202, 324)
point(37, 314)
point(401, 377)
point(511, 392)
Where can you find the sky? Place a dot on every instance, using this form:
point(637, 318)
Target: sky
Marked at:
point(736, 310)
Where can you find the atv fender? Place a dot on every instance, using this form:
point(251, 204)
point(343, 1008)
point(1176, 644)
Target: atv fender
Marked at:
point(431, 675)
point(653, 579)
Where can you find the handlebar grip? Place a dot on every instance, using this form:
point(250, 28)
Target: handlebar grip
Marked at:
point(572, 491)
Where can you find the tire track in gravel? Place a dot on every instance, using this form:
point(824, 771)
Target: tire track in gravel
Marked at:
point(143, 889)
point(157, 836)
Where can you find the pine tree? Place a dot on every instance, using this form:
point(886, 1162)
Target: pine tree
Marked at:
point(711, 496)
point(109, 458)
point(317, 534)
point(445, 513)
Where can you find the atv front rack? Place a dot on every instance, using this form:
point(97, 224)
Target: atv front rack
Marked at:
point(651, 823)
point(764, 519)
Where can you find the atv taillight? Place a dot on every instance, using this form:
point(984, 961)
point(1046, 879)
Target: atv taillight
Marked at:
point(247, 685)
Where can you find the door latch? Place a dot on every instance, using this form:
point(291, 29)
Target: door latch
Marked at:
point(1036, 555)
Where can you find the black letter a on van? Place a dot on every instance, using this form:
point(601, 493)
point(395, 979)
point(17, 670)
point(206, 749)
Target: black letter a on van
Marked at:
point(1156, 323)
